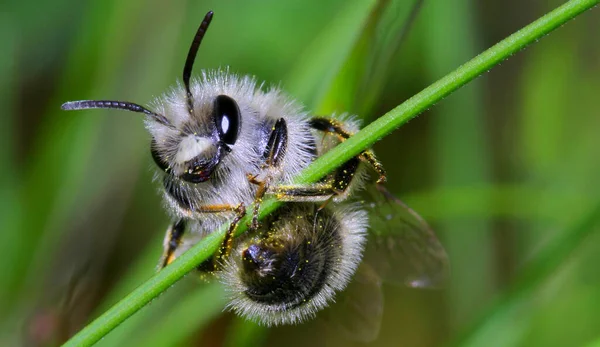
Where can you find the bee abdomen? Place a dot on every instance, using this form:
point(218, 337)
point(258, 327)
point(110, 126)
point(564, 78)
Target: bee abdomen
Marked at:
point(293, 266)
point(286, 278)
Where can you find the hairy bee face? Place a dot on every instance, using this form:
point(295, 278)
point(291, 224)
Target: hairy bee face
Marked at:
point(193, 147)
point(292, 267)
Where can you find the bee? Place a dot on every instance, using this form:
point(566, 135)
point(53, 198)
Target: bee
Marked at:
point(220, 143)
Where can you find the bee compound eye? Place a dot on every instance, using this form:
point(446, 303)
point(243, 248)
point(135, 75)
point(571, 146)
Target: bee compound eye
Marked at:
point(227, 118)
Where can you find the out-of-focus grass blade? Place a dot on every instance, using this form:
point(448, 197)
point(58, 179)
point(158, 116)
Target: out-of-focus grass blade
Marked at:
point(557, 139)
point(556, 134)
point(510, 314)
point(395, 26)
point(461, 152)
point(323, 58)
point(546, 104)
point(360, 79)
point(10, 204)
point(509, 202)
point(244, 333)
point(26, 27)
point(541, 126)
point(64, 151)
point(565, 310)
point(595, 343)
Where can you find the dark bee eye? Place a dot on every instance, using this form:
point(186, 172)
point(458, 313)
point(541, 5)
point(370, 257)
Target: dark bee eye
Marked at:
point(227, 118)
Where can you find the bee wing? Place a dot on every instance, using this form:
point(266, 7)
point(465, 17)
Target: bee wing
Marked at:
point(358, 309)
point(401, 247)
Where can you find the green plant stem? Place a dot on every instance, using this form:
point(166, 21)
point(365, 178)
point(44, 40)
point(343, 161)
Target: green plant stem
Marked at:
point(353, 146)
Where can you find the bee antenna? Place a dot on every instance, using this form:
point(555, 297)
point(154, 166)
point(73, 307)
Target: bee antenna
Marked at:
point(121, 105)
point(189, 62)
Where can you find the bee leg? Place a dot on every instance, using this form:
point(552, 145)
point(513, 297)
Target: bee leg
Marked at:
point(214, 262)
point(176, 231)
point(227, 243)
point(272, 155)
point(216, 208)
point(332, 126)
point(258, 198)
point(172, 242)
point(260, 193)
point(335, 186)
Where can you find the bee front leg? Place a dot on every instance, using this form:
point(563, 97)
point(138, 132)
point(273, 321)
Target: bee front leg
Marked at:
point(273, 154)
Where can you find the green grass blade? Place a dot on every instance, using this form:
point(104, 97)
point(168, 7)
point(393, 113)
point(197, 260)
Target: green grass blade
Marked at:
point(508, 202)
point(10, 211)
point(245, 333)
point(364, 139)
point(323, 58)
point(360, 79)
point(462, 153)
point(513, 304)
point(67, 150)
point(595, 343)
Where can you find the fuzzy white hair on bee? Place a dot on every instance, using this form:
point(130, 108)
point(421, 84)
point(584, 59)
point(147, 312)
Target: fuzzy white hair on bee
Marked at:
point(210, 132)
point(293, 267)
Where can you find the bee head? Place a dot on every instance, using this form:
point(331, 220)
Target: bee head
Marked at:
point(189, 150)
point(194, 150)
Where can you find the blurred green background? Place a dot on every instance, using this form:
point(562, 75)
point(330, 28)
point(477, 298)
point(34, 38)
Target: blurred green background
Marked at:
point(505, 169)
